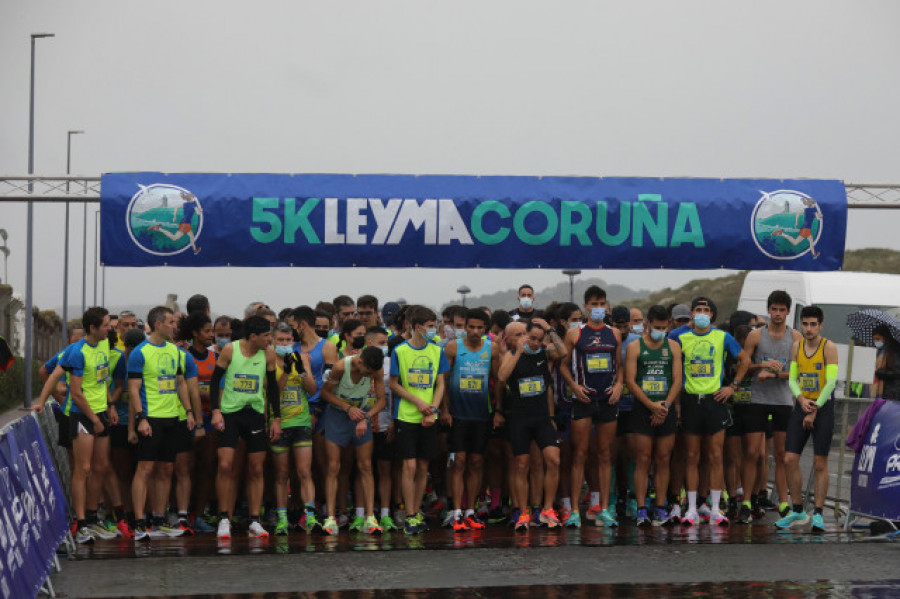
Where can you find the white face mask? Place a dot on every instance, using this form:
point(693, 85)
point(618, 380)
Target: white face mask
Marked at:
point(525, 303)
point(638, 329)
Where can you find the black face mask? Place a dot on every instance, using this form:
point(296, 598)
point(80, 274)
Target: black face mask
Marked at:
point(296, 335)
point(359, 342)
point(323, 333)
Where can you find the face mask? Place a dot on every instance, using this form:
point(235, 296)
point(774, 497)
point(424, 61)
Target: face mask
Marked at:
point(530, 351)
point(701, 320)
point(598, 314)
point(638, 329)
point(657, 335)
point(525, 303)
point(574, 325)
point(358, 342)
point(222, 341)
point(430, 334)
point(283, 350)
point(323, 333)
point(879, 344)
point(460, 333)
point(384, 351)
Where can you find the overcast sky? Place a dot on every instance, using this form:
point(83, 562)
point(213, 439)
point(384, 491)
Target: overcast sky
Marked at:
point(655, 88)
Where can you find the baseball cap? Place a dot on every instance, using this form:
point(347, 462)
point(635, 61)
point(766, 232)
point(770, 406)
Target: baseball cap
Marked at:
point(621, 314)
point(681, 312)
point(701, 300)
point(388, 311)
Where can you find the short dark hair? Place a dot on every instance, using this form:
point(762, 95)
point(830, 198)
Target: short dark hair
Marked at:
point(197, 303)
point(367, 301)
point(305, 314)
point(779, 297)
point(156, 315)
point(372, 358)
point(189, 324)
point(525, 286)
point(531, 325)
point(341, 301)
point(349, 325)
point(453, 311)
point(476, 314)
point(500, 318)
point(594, 292)
point(420, 315)
point(256, 325)
point(657, 313)
point(741, 331)
point(222, 319)
point(327, 308)
point(564, 311)
point(812, 312)
point(93, 317)
point(372, 331)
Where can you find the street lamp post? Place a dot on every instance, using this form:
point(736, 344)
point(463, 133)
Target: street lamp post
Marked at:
point(96, 250)
point(462, 290)
point(572, 274)
point(65, 323)
point(29, 242)
point(4, 249)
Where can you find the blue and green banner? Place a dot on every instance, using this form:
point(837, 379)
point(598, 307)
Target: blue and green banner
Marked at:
point(438, 221)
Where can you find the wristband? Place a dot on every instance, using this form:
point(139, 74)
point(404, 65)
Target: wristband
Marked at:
point(189, 411)
point(138, 416)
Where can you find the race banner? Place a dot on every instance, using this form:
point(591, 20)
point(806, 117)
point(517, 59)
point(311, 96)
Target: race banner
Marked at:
point(32, 510)
point(875, 482)
point(395, 221)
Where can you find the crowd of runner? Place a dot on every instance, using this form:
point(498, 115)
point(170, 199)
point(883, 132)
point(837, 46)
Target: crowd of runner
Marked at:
point(307, 419)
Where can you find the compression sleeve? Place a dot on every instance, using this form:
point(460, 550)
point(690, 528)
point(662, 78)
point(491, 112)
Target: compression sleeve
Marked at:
point(831, 373)
point(272, 393)
point(792, 380)
point(215, 386)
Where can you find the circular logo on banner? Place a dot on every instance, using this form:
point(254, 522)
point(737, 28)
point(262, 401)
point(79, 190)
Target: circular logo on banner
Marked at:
point(786, 224)
point(164, 220)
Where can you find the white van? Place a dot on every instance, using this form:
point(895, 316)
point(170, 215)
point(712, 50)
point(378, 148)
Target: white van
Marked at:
point(837, 293)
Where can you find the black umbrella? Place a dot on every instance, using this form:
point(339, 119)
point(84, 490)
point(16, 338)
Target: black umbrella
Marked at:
point(863, 322)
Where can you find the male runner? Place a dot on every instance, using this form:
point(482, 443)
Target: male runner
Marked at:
point(653, 375)
point(188, 207)
point(127, 321)
point(771, 399)
point(525, 310)
point(473, 361)
point(595, 377)
point(810, 213)
point(247, 367)
point(813, 372)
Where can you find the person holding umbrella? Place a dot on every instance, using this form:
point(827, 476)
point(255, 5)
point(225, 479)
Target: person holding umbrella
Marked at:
point(887, 371)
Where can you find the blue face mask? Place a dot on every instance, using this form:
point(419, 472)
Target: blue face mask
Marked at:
point(222, 341)
point(283, 350)
point(638, 329)
point(598, 314)
point(657, 335)
point(574, 325)
point(460, 333)
point(530, 351)
point(702, 320)
point(879, 344)
point(430, 334)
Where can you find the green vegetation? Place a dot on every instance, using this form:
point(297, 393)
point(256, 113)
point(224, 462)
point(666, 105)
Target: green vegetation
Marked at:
point(12, 385)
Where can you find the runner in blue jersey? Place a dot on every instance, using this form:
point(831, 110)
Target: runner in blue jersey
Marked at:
point(185, 227)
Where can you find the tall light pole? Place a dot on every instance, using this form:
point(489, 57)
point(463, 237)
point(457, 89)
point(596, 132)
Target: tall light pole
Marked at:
point(96, 251)
point(4, 249)
point(65, 323)
point(29, 242)
point(572, 274)
point(462, 290)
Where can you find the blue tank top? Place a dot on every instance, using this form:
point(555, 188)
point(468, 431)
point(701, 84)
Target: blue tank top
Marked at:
point(317, 365)
point(470, 397)
point(594, 360)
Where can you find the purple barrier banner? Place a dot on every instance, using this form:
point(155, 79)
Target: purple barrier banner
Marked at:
point(875, 483)
point(32, 510)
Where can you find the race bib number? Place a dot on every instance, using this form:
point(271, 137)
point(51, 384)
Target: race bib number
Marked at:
point(809, 381)
point(290, 395)
point(655, 385)
point(598, 363)
point(701, 368)
point(246, 383)
point(470, 384)
point(419, 378)
point(102, 373)
point(204, 386)
point(531, 386)
point(165, 383)
point(742, 396)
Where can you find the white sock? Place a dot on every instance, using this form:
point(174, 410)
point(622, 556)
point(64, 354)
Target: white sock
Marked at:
point(715, 495)
point(457, 514)
point(470, 513)
point(385, 512)
point(692, 500)
point(595, 498)
point(566, 502)
point(360, 512)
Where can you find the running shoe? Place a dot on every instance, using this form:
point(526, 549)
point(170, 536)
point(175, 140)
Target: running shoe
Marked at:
point(371, 526)
point(704, 511)
point(141, 533)
point(166, 530)
point(631, 509)
point(110, 526)
point(549, 518)
point(310, 522)
point(202, 526)
point(496, 516)
point(449, 521)
point(536, 516)
point(387, 524)
point(400, 515)
point(718, 518)
point(763, 499)
point(593, 512)
point(153, 228)
point(410, 526)
point(124, 529)
point(330, 526)
point(793, 519)
point(224, 530)
point(691, 517)
point(514, 517)
point(256, 530)
point(184, 526)
point(99, 531)
point(473, 523)
point(777, 232)
point(574, 520)
point(342, 520)
point(758, 511)
point(522, 523)
point(784, 509)
point(564, 513)
point(83, 536)
point(643, 520)
point(459, 525)
point(358, 523)
point(483, 509)
point(734, 508)
point(818, 523)
point(675, 513)
point(744, 516)
point(606, 519)
point(660, 517)
point(421, 524)
point(281, 529)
